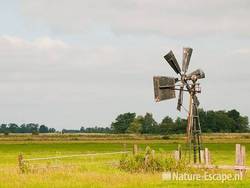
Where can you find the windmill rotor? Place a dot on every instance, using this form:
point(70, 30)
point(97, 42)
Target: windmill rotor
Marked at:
point(183, 78)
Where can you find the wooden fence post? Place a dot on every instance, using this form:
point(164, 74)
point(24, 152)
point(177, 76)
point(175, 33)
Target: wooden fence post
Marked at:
point(202, 156)
point(237, 154)
point(135, 149)
point(243, 159)
point(179, 150)
point(240, 158)
point(207, 157)
point(177, 153)
point(243, 155)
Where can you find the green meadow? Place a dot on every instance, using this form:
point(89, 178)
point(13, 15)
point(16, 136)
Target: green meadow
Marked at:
point(102, 170)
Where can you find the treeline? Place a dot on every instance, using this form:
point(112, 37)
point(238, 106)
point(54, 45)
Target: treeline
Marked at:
point(89, 130)
point(210, 121)
point(223, 121)
point(25, 128)
point(130, 123)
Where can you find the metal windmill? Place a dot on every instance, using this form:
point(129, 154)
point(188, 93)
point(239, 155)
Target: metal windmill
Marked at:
point(164, 89)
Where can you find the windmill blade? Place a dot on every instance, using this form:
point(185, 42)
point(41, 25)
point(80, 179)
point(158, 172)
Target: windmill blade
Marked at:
point(187, 52)
point(198, 73)
point(164, 88)
point(170, 58)
point(180, 99)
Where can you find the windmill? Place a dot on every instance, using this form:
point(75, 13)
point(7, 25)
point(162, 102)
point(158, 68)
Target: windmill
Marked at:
point(165, 87)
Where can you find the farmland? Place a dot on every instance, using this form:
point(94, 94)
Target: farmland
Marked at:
point(102, 171)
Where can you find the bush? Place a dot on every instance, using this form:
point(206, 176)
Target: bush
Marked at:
point(165, 137)
point(6, 133)
point(148, 161)
point(35, 133)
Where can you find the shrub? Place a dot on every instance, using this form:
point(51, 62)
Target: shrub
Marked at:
point(6, 133)
point(165, 137)
point(148, 161)
point(35, 133)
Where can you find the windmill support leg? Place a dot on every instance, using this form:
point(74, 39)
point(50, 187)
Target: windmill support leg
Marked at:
point(196, 133)
point(199, 147)
point(195, 147)
point(189, 128)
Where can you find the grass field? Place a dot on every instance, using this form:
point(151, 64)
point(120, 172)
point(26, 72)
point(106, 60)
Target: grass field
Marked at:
point(102, 171)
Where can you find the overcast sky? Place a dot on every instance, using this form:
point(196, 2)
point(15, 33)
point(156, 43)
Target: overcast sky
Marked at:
point(73, 63)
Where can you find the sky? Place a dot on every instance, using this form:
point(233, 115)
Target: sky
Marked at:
point(68, 64)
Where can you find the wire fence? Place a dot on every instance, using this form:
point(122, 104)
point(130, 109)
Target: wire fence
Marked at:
point(205, 162)
point(22, 161)
point(78, 155)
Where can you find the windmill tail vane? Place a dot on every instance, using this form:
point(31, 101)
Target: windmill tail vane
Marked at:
point(165, 87)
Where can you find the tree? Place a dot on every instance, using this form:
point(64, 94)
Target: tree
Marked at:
point(136, 125)
point(148, 124)
point(52, 130)
point(224, 123)
point(210, 124)
point(13, 128)
point(166, 126)
point(43, 129)
point(23, 128)
point(122, 122)
point(82, 129)
point(180, 126)
point(241, 123)
point(32, 127)
point(3, 128)
point(234, 114)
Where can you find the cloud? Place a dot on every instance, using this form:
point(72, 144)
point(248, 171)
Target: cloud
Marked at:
point(69, 85)
point(136, 17)
point(242, 51)
point(43, 42)
point(50, 81)
point(48, 43)
point(91, 60)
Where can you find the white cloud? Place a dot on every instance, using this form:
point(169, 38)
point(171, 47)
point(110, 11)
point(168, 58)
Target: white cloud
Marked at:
point(42, 42)
point(165, 17)
point(70, 77)
point(66, 87)
point(47, 42)
point(47, 83)
point(242, 51)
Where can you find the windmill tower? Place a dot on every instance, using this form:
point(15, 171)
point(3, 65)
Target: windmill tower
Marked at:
point(165, 87)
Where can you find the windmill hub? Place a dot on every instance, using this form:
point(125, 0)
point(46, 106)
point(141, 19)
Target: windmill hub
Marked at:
point(194, 78)
point(165, 87)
